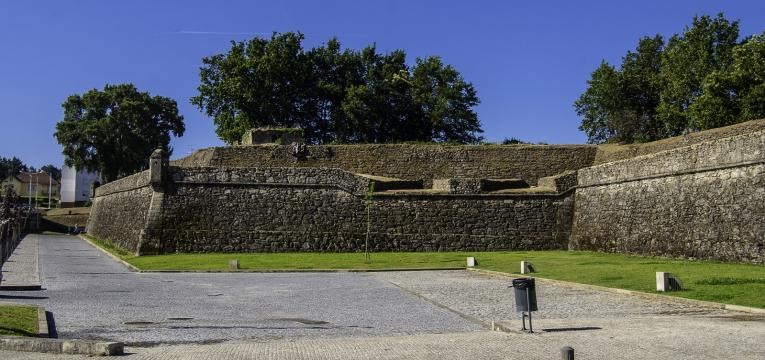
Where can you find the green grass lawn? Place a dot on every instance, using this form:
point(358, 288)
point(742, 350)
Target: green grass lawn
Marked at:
point(299, 261)
point(738, 284)
point(18, 320)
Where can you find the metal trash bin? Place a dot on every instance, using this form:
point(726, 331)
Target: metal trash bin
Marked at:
point(525, 295)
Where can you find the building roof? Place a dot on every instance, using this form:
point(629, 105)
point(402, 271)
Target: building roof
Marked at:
point(35, 178)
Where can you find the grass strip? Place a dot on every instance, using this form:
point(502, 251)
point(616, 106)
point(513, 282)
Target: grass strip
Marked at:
point(730, 283)
point(18, 320)
point(111, 247)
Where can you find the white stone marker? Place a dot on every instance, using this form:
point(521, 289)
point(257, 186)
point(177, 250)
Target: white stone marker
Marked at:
point(471, 261)
point(233, 264)
point(662, 281)
point(527, 267)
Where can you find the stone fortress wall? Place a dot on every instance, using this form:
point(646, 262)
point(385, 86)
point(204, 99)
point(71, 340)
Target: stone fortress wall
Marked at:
point(705, 200)
point(410, 161)
point(699, 199)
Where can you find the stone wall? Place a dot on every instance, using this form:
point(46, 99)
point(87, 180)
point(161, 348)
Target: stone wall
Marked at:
point(703, 201)
point(409, 161)
point(613, 152)
point(298, 209)
point(119, 210)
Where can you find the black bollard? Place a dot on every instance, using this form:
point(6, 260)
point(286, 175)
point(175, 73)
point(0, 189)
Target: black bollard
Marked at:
point(567, 353)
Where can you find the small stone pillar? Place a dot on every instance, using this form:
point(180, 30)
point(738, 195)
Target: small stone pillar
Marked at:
point(158, 167)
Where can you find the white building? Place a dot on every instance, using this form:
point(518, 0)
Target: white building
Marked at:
point(75, 186)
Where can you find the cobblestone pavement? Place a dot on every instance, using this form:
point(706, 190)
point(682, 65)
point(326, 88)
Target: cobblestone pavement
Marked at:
point(597, 322)
point(21, 269)
point(93, 297)
point(405, 315)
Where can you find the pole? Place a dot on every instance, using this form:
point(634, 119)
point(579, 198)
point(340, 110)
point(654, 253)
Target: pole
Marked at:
point(37, 187)
point(528, 307)
point(29, 193)
point(50, 187)
point(567, 353)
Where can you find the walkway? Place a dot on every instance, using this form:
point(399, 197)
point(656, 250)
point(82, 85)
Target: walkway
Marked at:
point(396, 315)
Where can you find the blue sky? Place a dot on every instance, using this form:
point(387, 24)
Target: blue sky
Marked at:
point(528, 60)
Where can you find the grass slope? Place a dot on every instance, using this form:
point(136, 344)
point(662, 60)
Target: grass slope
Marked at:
point(18, 320)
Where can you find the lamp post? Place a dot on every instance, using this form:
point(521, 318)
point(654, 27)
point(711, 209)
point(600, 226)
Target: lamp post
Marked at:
point(50, 187)
point(29, 193)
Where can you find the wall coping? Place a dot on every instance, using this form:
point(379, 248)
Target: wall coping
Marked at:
point(693, 158)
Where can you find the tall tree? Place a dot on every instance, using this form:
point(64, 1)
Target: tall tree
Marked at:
point(702, 78)
point(736, 93)
point(258, 83)
point(54, 172)
point(115, 130)
point(601, 104)
point(620, 105)
point(334, 95)
point(446, 101)
point(704, 47)
point(11, 167)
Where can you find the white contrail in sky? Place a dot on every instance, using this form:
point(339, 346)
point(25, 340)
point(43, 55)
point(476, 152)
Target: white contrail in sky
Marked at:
point(195, 32)
point(200, 32)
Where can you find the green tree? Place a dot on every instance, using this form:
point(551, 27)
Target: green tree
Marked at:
point(620, 105)
point(736, 93)
point(335, 95)
point(53, 171)
point(703, 48)
point(601, 104)
point(11, 167)
point(115, 130)
point(445, 101)
point(258, 83)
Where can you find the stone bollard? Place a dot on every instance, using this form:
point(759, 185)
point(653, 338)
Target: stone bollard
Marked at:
point(233, 264)
point(527, 267)
point(667, 282)
point(567, 353)
point(471, 261)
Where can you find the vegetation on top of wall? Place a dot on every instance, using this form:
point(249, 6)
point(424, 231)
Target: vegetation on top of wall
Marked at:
point(334, 94)
point(700, 79)
point(115, 130)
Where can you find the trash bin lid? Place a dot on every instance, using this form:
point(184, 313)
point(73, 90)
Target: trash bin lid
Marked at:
point(522, 283)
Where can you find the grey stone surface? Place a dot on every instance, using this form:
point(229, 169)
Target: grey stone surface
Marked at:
point(597, 325)
point(307, 209)
point(701, 201)
point(60, 346)
point(410, 161)
point(704, 201)
point(21, 271)
point(93, 297)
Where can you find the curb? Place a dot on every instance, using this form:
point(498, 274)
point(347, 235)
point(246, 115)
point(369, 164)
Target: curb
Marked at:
point(299, 270)
point(29, 287)
point(42, 323)
point(114, 257)
point(709, 304)
point(59, 346)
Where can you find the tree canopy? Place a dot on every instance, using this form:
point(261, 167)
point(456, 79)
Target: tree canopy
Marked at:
point(11, 167)
point(114, 130)
point(700, 79)
point(54, 171)
point(335, 95)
